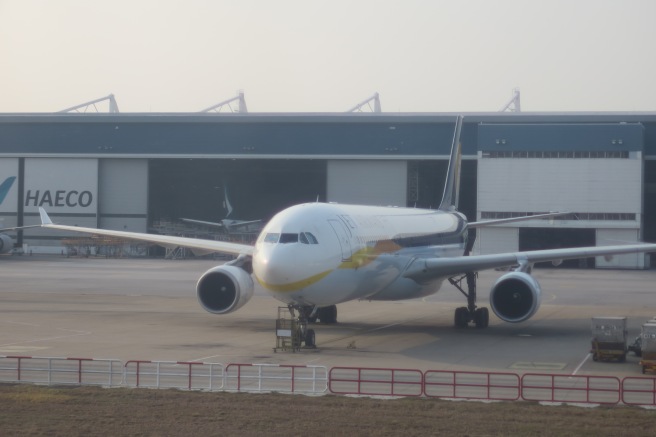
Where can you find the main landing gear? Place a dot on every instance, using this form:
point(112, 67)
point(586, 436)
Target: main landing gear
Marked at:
point(470, 313)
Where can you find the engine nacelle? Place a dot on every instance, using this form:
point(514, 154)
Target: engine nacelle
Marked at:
point(224, 289)
point(6, 243)
point(515, 297)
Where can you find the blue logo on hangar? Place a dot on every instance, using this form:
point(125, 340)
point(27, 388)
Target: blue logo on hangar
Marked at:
point(5, 187)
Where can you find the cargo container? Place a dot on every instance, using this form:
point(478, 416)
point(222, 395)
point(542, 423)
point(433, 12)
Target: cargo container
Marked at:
point(648, 347)
point(609, 338)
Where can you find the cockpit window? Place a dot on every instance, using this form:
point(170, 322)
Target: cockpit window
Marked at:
point(303, 237)
point(311, 238)
point(288, 238)
point(271, 238)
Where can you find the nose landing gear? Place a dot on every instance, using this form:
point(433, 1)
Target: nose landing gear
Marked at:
point(292, 331)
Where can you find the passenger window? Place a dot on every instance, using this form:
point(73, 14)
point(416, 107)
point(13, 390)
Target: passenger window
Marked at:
point(272, 238)
point(288, 238)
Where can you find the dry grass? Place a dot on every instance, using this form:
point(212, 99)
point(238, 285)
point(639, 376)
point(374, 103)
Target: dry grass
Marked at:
point(47, 411)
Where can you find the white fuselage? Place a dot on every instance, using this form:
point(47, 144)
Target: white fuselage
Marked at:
point(323, 254)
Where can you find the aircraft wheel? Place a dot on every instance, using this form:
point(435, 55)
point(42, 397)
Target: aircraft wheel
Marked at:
point(310, 340)
point(482, 318)
point(461, 318)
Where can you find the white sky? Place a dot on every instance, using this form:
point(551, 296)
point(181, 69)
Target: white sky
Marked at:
point(325, 56)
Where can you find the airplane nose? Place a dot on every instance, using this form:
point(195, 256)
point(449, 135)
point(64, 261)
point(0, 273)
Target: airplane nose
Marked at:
point(275, 268)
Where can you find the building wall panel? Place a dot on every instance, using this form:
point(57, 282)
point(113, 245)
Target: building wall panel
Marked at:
point(577, 185)
point(368, 182)
point(496, 240)
point(8, 192)
point(67, 189)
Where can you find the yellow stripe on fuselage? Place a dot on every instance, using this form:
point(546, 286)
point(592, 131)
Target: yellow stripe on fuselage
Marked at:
point(368, 255)
point(293, 286)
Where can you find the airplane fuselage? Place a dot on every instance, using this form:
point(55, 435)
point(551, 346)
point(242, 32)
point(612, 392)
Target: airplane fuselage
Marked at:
point(324, 254)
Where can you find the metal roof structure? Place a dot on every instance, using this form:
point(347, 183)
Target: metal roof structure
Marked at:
point(315, 135)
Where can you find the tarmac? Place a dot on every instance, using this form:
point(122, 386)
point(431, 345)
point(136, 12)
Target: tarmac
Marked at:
point(146, 309)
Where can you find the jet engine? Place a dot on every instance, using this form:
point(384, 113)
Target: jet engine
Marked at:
point(224, 289)
point(515, 297)
point(6, 243)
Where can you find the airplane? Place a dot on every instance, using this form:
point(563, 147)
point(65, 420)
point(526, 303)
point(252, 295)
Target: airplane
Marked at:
point(228, 225)
point(7, 242)
point(314, 256)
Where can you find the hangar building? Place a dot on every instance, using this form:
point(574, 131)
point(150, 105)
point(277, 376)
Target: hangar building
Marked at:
point(131, 171)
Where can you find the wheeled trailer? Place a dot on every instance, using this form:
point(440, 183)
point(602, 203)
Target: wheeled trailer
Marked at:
point(648, 347)
point(648, 365)
point(609, 338)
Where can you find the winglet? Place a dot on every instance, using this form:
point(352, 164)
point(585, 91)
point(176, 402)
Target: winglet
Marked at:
point(45, 220)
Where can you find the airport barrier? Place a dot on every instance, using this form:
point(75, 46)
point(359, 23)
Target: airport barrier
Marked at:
point(472, 385)
point(276, 377)
point(186, 375)
point(580, 389)
point(375, 381)
point(57, 370)
point(639, 391)
point(256, 378)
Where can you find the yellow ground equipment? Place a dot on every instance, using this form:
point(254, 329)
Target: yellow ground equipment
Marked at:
point(292, 331)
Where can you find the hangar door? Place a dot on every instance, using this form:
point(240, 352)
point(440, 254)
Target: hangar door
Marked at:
point(123, 194)
point(368, 182)
point(558, 238)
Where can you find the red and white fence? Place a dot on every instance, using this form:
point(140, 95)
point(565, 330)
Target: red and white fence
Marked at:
point(472, 385)
point(187, 375)
point(571, 388)
point(239, 377)
point(56, 371)
point(375, 382)
point(275, 377)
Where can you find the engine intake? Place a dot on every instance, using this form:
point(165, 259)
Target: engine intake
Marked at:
point(224, 289)
point(515, 297)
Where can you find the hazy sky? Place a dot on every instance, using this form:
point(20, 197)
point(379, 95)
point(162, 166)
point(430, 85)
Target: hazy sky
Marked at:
point(326, 56)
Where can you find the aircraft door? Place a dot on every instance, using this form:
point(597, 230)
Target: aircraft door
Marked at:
point(343, 238)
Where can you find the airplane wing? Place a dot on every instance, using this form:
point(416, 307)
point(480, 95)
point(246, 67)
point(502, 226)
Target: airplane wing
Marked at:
point(18, 228)
point(202, 222)
point(515, 219)
point(428, 269)
point(163, 240)
point(232, 224)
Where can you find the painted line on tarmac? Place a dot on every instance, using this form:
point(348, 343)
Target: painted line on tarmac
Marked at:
point(587, 357)
point(531, 365)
